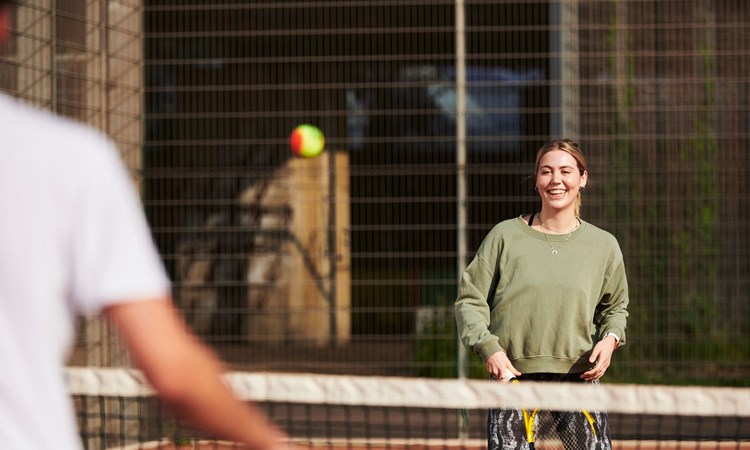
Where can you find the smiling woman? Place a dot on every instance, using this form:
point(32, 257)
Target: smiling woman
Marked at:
point(560, 176)
point(546, 295)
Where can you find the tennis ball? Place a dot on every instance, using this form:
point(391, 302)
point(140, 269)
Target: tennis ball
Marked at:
point(307, 141)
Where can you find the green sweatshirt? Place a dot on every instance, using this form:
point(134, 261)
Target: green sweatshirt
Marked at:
point(545, 310)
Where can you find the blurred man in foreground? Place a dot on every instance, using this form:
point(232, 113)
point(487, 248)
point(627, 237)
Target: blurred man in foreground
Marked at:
point(74, 240)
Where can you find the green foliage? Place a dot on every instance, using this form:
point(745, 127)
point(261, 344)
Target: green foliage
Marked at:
point(179, 440)
point(182, 441)
point(436, 348)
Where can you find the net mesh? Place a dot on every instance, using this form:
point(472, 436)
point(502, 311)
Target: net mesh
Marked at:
point(117, 409)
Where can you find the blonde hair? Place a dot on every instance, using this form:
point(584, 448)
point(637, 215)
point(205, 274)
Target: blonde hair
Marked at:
point(573, 150)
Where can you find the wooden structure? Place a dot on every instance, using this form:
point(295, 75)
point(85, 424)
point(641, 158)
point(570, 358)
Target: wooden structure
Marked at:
point(299, 273)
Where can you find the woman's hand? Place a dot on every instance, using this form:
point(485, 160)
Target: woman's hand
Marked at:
point(602, 357)
point(499, 366)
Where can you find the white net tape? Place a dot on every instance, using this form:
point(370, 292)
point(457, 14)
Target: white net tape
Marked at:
point(433, 393)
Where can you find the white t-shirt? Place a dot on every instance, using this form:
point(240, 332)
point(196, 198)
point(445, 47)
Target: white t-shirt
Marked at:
point(73, 239)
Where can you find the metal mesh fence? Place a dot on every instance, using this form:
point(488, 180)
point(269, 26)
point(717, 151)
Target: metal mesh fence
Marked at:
point(83, 60)
point(432, 112)
point(653, 91)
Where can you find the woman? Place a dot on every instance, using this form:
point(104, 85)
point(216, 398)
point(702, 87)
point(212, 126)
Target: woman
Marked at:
point(545, 297)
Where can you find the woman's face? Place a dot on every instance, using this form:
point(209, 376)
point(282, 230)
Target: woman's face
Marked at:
point(558, 180)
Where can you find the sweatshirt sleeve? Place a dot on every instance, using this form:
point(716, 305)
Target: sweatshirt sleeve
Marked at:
point(472, 308)
point(611, 312)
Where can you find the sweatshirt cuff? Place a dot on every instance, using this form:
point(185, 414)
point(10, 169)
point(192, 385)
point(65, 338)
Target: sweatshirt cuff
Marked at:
point(488, 349)
point(616, 333)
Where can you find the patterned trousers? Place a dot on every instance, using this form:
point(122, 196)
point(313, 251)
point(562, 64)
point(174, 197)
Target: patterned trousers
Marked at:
point(568, 430)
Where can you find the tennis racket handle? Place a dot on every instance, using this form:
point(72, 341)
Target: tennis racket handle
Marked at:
point(508, 375)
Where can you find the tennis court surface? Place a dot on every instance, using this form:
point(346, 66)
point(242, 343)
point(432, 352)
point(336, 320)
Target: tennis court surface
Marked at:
point(117, 410)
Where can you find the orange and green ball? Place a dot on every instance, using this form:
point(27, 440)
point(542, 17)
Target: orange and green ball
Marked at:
point(307, 141)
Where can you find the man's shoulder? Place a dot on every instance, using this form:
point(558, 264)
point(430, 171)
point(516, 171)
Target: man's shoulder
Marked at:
point(38, 127)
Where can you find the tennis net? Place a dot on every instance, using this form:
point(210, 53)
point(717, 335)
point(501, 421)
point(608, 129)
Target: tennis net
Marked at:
point(117, 410)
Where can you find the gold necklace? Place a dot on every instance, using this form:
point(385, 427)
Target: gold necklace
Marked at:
point(570, 233)
point(554, 250)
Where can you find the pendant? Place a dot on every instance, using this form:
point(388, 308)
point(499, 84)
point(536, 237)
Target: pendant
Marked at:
point(554, 251)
